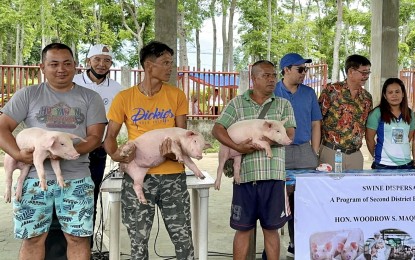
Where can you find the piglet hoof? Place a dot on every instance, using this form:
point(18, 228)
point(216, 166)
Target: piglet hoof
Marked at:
point(43, 185)
point(237, 180)
point(61, 183)
point(18, 196)
point(140, 194)
point(7, 197)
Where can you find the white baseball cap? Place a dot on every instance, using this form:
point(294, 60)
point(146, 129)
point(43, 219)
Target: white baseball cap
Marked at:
point(99, 49)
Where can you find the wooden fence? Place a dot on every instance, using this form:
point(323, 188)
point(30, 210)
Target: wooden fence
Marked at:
point(199, 86)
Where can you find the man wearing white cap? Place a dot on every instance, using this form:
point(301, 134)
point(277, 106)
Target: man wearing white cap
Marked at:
point(99, 61)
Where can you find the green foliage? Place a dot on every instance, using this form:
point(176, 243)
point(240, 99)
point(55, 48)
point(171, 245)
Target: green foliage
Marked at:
point(122, 139)
point(215, 147)
point(306, 27)
point(407, 33)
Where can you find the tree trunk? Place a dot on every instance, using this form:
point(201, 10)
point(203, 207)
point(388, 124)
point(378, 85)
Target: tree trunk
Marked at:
point(292, 10)
point(212, 13)
point(97, 23)
point(17, 51)
point(1, 61)
point(269, 30)
point(166, 28)
point(11, 39)
point(21, 45)
point(139, 29)
point(225, 45)
point(43, 26)
point(1, 54)
point(181, 31)
point(230, 35)
point(337, 39)
point(198, 61)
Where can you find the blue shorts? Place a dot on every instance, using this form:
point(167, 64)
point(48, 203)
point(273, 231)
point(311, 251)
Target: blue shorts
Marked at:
point(263, 200)
point(74, 207)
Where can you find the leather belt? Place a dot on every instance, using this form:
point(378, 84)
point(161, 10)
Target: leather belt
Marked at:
point(335, 147)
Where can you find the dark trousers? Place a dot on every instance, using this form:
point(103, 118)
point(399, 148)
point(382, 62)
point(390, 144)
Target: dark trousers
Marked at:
point(97, 158)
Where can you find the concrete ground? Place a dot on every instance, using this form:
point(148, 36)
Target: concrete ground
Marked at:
point(160, 247)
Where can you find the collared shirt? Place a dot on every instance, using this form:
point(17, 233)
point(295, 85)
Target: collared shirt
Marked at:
point(257, 166)
point(392, 143)
point(306, 109)
point(107, 89)
point(344, 117)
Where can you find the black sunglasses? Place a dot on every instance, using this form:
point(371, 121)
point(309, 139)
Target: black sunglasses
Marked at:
point(299, 69)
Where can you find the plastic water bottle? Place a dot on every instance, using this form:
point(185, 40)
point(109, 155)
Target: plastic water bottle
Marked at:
point(338, 161)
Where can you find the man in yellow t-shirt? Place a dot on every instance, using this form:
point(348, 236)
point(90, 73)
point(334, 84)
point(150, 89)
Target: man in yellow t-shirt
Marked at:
point(153, 104)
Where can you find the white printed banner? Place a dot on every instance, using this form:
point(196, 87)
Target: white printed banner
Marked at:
point(355, 216)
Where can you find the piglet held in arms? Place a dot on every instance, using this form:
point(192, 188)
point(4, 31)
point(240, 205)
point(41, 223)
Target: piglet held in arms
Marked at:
point(45, 144)
point(257, 130)
point(186, 144)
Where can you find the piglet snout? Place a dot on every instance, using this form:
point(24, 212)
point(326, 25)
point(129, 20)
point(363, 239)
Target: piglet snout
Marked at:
point(72, 156)
point(286, 142)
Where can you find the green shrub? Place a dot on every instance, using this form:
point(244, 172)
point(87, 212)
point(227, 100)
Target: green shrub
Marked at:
point(215, 147)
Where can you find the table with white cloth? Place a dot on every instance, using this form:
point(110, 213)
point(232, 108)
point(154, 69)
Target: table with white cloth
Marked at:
point(350, 208)
point(199, 208)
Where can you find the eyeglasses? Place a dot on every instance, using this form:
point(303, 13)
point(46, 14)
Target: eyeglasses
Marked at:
point(364, 73)
point(301, 69)
point(166, 64)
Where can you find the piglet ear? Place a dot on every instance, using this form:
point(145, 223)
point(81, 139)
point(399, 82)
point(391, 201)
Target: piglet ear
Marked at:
point(72, 136)
point(50, 141)
point(285, 120)
point(354, 245)
point(328, 246)
point(267, 124)
point(190, 133)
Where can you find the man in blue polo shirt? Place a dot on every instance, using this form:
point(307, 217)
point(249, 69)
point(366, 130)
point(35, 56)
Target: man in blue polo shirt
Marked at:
point(302, 153)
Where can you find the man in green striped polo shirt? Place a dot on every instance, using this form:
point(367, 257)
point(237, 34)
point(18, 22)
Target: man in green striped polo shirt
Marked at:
point(261, 193)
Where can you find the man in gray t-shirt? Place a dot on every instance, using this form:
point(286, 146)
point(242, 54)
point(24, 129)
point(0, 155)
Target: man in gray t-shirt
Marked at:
point(58, 105)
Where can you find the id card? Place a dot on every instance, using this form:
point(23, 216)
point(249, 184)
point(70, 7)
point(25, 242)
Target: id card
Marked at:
point(397, 135)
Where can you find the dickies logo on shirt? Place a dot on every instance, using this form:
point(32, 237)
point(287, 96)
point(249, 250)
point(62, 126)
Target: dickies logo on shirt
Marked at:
point(141, 116)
